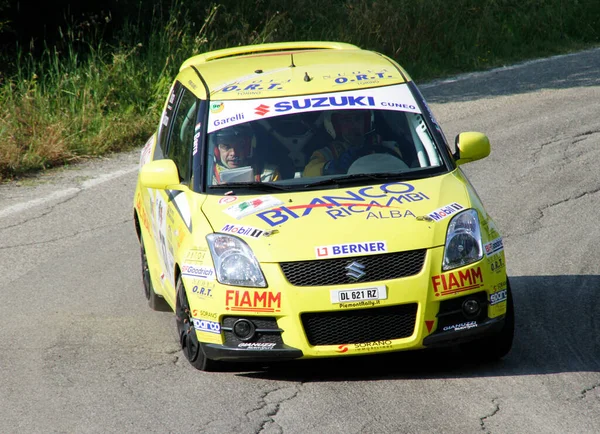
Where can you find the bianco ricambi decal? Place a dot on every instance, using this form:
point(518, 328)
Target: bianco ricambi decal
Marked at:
point(397, 98)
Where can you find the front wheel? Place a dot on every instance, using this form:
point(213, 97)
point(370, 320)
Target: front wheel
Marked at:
point(154, 301)
point(491, 348)
point(187, 333)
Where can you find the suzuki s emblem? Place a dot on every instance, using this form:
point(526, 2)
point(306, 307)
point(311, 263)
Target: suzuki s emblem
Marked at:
point(355, 270)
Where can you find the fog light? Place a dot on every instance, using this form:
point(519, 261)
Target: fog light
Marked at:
point(244, 329)
point(471, 307)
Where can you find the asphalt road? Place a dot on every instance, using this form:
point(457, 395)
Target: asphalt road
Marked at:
point(80, 351)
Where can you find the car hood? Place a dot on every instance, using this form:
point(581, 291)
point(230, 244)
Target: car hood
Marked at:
point(352, 221)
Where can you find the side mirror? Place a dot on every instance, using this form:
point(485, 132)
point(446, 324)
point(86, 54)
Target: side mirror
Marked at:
point(471, 146)
point(159, 174)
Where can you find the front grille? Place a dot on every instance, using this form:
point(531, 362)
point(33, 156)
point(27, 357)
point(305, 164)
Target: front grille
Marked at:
point(333, 271)
point(266, 330)
point(359, 326)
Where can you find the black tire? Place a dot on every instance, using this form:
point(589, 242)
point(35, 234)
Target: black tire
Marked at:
point(494, 347)
point(155, 302)
point(192, 350)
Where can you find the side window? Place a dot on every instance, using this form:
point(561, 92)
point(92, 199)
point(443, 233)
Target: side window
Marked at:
point(179, 148)
point(160, 149)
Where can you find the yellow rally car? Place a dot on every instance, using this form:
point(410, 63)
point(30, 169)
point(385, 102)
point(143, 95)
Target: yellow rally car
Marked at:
point(300, 200)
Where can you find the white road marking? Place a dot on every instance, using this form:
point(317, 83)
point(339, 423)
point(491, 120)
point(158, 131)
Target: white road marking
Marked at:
point(61, 194)
point(469, 75)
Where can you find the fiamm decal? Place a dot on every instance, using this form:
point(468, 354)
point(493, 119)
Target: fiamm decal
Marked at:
point(457, 281)
point(253, 301)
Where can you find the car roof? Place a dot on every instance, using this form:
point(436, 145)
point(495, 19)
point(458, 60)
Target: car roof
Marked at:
point(292, 68)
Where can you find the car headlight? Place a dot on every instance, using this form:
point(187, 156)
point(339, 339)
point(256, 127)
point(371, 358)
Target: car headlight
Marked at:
point(463, 241)
point(235, 263)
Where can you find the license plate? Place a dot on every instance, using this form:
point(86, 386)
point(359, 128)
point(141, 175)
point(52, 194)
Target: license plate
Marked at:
point(358, 294)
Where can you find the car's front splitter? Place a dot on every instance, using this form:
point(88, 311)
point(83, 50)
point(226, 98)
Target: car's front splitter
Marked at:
point(250, 353)
point(454, 337)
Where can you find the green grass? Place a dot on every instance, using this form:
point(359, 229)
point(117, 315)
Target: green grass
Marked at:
point(88, 97)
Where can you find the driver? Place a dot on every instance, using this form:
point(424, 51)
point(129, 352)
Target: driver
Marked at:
point(352, 133)
point(233, 148)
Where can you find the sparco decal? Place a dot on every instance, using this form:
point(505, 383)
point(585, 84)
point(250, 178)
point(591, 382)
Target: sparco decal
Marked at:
point(254, 301)
point(207, 326)
point(457, 281)
point(363, 201)
point(498, 297)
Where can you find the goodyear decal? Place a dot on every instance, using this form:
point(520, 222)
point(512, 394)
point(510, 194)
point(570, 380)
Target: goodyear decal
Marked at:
point(372, 202)
point(397, 97)
point(457, 281)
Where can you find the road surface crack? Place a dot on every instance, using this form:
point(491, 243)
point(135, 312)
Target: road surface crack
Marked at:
point(584, 392)
point(269, 405)
point(483, 419)
point(51, 240)
point(568, 199)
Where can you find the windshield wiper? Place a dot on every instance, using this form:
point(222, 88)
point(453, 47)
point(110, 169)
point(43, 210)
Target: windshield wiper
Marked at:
point(261, 186)
point(361, 177)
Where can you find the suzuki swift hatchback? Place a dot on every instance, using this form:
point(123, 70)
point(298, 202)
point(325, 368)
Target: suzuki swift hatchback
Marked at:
point(299, 200)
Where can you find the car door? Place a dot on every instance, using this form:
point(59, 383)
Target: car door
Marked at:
point(171, 212)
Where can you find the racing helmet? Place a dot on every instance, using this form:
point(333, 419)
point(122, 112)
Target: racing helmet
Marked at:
point(241, 134)
point(333, 126)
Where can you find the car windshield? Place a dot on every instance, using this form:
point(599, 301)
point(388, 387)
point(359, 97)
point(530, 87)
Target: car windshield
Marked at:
point(319, 140)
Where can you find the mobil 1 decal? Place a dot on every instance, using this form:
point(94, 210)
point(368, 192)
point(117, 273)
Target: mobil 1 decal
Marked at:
point(386, 201)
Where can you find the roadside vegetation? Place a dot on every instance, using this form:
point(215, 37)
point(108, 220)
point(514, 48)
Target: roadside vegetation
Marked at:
point(87, 94)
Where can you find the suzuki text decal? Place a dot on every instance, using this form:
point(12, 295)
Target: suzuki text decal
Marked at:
point(457, 281)
point(398, 98)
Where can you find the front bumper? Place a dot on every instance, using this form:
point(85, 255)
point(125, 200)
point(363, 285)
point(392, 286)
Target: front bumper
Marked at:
point(455, 337)
point(225, 353)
